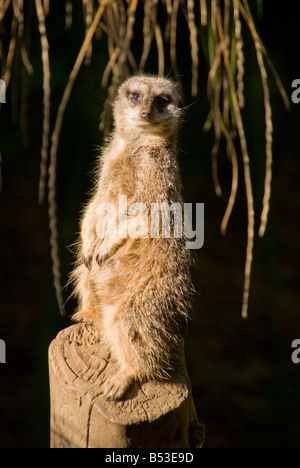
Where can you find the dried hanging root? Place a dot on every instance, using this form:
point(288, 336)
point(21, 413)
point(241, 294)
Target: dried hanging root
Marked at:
point(46, 7)
point(194, 46)
point(213, 91)
point(203, 13)
point(46, 100)
point(147, 32)
point(88, 17)
point(226, 101)
point(239, 54)
point(69, 14)
point(11, 51)
point(4, 5)
point(231, 151)
point(173, 36)
point(160, 49)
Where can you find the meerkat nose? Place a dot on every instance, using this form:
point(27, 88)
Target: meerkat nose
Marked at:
point(145, 115)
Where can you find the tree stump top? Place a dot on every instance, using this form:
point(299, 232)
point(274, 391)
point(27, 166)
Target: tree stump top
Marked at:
point(81, 361)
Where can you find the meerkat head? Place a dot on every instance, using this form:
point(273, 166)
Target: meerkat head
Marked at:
point(147, 104)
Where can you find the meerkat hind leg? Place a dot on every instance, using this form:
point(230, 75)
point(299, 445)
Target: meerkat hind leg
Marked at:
point(86, 312)
point(123, 355)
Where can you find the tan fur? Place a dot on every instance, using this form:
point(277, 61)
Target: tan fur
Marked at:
point(136, 289)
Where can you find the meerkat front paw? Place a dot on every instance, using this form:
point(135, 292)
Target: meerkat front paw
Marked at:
point(88, 255)
point(96, 250)
point(107, 249)
point(115, 388)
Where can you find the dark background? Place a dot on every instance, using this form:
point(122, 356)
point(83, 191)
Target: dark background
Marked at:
point(245, 386)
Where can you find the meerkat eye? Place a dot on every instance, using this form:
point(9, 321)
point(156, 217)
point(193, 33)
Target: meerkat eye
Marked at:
point(134, 97)
point(163, 100)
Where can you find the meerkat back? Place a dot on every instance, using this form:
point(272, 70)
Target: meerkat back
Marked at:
point(133, 270)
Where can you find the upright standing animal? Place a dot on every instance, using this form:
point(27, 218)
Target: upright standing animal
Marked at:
point(133, 281)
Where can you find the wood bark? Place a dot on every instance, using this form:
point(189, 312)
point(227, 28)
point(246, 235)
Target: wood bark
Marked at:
point(156, 414)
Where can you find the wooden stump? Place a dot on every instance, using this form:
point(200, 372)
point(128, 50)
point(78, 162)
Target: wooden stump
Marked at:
point(154, 414)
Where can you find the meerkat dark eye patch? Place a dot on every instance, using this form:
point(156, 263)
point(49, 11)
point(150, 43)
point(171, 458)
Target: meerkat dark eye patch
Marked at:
point(163, 100)
point(134, 97)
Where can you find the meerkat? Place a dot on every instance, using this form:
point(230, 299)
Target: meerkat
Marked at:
point(132, 285)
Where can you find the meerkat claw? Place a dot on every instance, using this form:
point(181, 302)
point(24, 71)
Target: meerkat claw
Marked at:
point(87, 262)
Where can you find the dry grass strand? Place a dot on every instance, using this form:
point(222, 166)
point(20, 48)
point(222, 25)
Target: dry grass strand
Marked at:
point(46, 99)
point(194, 46)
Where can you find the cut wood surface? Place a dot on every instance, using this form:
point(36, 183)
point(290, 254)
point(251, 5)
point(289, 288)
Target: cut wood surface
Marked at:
point(154, 414)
